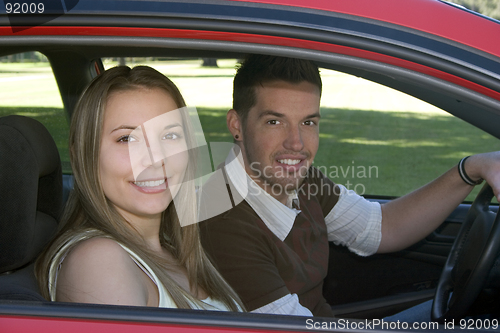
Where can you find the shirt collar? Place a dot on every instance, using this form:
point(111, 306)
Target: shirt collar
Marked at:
point(279, 218)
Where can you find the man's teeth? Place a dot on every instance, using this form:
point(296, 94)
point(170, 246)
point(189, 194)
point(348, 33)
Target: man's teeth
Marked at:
point(151, 183)
point(289, 161)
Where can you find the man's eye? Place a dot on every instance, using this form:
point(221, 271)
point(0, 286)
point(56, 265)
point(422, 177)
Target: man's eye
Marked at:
point(126, 139)
point(309, 123)
point(273, 122)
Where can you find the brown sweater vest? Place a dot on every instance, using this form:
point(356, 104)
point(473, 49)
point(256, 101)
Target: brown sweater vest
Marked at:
point(260, 267)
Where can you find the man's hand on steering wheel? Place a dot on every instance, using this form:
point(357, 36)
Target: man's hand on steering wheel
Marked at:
point(477, 244)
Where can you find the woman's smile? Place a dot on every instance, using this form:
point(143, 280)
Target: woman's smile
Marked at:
point(151, 186)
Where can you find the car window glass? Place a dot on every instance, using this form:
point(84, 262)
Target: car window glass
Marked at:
point(28, 88)
point(374, 140)
point(379, 141)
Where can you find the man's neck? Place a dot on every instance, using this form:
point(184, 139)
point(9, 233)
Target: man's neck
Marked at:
point(282, 196)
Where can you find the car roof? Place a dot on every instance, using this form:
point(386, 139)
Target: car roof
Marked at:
point(440, 18)
point(435, 17)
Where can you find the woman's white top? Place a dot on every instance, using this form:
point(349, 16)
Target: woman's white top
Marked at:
point(165, 299)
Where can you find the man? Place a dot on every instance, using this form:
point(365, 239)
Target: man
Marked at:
point(272, 247)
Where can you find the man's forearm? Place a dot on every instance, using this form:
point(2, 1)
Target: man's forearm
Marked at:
point(412, 217)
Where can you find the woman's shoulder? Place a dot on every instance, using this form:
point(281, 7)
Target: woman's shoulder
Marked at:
point(99, 270)
point(96, 251)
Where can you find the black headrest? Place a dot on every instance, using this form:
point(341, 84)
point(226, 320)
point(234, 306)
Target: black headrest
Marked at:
point(30, 190)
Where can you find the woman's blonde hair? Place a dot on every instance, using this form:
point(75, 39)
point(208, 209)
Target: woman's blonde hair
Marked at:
point(89, 212)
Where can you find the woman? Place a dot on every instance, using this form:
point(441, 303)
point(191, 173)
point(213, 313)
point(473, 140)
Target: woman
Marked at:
point(121, 240)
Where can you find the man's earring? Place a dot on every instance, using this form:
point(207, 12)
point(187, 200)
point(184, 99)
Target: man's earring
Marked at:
point(236, 136)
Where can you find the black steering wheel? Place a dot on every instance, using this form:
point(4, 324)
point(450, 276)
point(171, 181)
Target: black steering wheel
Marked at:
point(471, 257)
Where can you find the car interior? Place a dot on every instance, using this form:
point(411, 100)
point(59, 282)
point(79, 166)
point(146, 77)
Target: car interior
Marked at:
point(32, 179)
point(356, 287)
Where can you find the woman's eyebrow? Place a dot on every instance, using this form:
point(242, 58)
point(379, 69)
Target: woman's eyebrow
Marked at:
point(129, 127)
point(126, 127)
point(172, 125)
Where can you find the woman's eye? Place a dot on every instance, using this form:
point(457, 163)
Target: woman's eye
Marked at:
point(171, 136)
point(126, 139)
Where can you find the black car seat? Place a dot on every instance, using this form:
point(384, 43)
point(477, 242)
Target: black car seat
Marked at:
point(30, 202)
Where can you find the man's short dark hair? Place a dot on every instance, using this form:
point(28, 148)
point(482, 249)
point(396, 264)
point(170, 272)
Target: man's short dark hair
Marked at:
point(259, 69)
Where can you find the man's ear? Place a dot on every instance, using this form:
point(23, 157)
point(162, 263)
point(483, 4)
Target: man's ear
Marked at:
point(234, 124)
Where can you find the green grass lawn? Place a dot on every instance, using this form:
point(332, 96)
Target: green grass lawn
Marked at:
point(373, 139)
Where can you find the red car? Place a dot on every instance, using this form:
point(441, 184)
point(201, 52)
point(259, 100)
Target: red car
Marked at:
point(434, 67)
